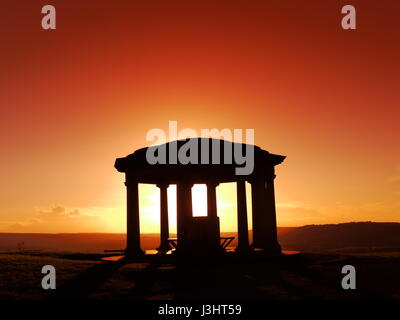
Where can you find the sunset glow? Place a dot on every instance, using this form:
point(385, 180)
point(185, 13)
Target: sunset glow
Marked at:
point(76, 98)
point(150, 206)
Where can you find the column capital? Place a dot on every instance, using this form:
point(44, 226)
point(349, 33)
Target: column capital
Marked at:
point(186, 183)
point(254, 181)
point(162, 185)
point(212, 184)
point(130, 182)
point(261, 179)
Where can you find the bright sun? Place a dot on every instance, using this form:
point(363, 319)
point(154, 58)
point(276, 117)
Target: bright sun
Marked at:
point(149, 197)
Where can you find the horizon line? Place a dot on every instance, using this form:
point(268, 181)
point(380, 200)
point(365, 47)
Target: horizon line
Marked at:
point(157, 233)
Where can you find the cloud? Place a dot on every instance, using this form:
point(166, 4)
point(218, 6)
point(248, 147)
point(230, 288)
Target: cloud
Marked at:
point(17, 227)
point(289, 213)
point(57, 212)
point(57, 219)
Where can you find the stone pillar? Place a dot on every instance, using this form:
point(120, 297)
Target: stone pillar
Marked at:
point(212, 213)
point(132, 221)
point(184, 210)
point(164, 229)
point(212, 199)
point(243, 230)
point(264, 215)
point(257, 192)
point(271, 215)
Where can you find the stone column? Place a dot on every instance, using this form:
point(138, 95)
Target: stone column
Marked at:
point(132, 221)
point(271, 215)
point(243, 230)
point(212, 213)
point(264, 215)
point(212, 199)
point(164, 229)
point(184, 210)
point(257, 193)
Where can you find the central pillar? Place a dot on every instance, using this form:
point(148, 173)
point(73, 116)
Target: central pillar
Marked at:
point(212, 213)
point(184, 211)
point(164, 229)
point(243, 230)
point(132, 223)
point(212, 199)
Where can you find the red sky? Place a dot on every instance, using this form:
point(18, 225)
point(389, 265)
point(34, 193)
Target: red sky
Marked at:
point(75, 98)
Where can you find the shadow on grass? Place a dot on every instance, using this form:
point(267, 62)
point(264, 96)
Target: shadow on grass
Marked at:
point(88, 281)
point(300, 277)
point(83, 256)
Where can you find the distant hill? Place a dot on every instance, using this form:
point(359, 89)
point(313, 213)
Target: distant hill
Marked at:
point(72, 242)
point(354, 235)
point(86, 242)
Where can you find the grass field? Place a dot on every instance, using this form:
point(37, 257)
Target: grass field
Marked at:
point(302, 276)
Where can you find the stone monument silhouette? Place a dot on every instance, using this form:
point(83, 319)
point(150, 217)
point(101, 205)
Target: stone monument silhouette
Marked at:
point(202, 234)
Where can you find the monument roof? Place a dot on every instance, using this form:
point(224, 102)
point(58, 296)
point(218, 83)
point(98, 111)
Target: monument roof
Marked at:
point(203, 154)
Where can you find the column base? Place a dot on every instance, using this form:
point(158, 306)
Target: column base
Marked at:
point(132, 253)
point(164, 247)
point(275, 249)
point(243, 249)
point(198, 253)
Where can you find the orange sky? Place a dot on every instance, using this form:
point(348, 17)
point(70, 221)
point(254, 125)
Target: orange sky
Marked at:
point(74, 99)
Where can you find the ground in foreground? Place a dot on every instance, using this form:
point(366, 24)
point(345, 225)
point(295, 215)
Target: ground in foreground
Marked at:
point(294, 277)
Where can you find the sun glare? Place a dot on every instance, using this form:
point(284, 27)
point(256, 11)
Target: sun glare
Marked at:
point(149, 200)
point(199, 200)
